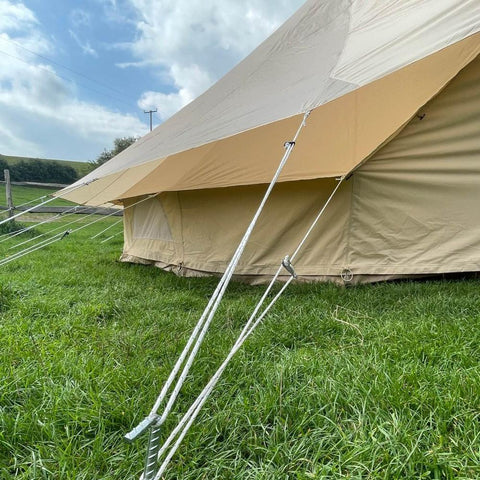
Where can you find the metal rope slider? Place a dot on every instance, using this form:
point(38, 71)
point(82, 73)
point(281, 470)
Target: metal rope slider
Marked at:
point(142, 427)
point(287, 265)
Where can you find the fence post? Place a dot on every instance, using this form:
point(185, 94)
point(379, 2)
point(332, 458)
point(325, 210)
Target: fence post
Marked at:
point(8, 191)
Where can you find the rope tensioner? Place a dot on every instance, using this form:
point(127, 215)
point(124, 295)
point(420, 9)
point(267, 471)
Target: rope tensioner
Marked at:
point(286, 263)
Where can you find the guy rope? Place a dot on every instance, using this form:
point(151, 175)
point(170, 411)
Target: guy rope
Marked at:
point(154, 421)
point(61, 235)
point(65, 192)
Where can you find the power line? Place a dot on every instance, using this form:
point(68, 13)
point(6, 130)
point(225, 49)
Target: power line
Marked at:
point(62, 66)
point(55, 74)
point(132, 103)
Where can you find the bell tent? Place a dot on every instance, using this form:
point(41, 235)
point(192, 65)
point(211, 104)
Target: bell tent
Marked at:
point(392, 93)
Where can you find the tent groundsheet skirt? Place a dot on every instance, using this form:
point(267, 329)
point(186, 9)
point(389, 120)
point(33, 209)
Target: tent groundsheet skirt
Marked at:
point(346, 278)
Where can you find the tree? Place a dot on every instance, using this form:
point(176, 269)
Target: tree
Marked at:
point(46, 171)
point(119, 145)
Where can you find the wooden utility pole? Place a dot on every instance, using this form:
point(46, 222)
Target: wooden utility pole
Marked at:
point(8, 191)
point(150, 112)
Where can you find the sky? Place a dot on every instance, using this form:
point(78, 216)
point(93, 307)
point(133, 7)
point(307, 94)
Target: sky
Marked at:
point(75, 75)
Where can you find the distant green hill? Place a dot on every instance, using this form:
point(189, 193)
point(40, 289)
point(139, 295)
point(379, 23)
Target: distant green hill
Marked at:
point(82, 168)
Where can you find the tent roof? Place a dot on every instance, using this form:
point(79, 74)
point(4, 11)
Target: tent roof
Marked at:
point(363, 67)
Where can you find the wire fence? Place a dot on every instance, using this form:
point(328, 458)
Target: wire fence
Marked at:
point(80, 209)
point(54, 209)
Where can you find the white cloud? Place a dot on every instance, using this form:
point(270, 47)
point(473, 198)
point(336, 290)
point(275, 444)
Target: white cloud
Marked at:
point(40, 113)
point(187, 44)
point(12, 142)
point(80, 18)
point(84, 46)
point(14, 16)
point(115, 13)
point(197, 41)
point(195, 81)
point(34, 41)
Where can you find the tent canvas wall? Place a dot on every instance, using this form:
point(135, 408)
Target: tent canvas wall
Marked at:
point(395, 105)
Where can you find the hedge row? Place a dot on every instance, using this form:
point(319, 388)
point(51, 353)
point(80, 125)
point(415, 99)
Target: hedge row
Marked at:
point(34, 170)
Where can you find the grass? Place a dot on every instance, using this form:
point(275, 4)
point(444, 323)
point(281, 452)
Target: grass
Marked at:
point(82, 168)
point(87, 342)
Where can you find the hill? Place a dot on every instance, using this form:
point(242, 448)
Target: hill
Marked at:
point(82, 168)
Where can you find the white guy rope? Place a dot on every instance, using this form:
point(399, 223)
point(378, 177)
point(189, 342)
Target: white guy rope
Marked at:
point(32, 201)
point(48, 220)
point(60, 235)
point(60, 227)
point(112, 236)
point(188, 419)
point(11, 234)
point(47, 242)
point(34, 248)
point(231, 267)
point(106, 229)
point(222, 285)
point(9, 219)
point(317, 218)
point(203, 324)
point(248, 329)
point(13, 217)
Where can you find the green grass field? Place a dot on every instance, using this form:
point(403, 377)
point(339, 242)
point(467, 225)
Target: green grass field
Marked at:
point(87, 342)
point(82, 168)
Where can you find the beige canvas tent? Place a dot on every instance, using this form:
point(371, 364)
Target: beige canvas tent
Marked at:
point(393, 88)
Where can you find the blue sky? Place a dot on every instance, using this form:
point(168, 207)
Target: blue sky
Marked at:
point(75, 75)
